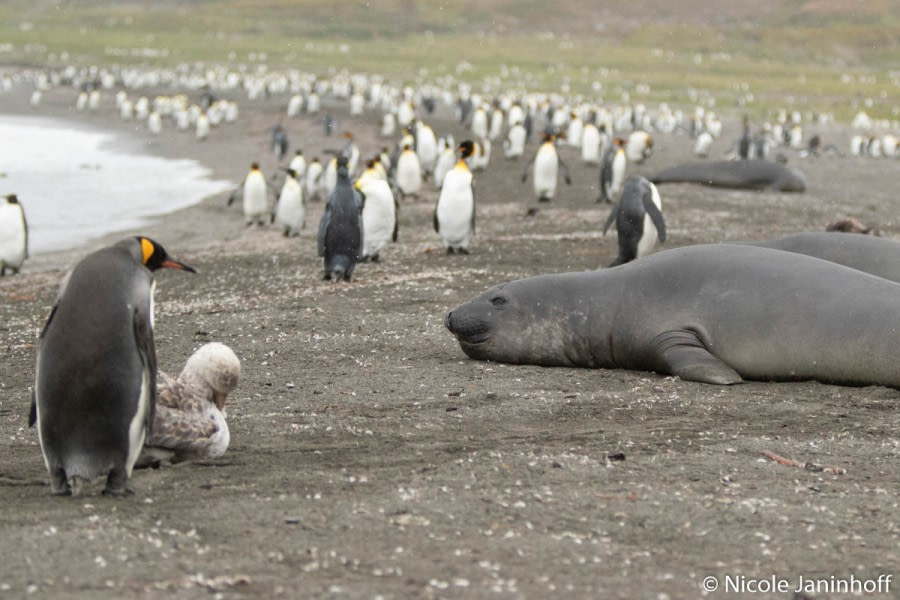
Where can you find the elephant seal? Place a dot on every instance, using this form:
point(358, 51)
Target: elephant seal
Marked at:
point(738, 174)
point(877, 256)
point(715, 313)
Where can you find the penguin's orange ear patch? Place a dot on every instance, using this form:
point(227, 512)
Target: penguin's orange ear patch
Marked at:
point(147, 249)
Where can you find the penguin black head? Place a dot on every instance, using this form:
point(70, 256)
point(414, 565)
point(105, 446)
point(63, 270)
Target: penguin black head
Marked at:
point(466, 148)
point(291, 172)
point(154, 256)
point(12, 199)
point(254, 167)
point(342, 161)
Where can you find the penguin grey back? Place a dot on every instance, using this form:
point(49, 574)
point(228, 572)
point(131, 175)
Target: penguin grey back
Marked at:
point(340, 230)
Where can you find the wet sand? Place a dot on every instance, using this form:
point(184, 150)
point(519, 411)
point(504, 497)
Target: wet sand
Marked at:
point(370, 457)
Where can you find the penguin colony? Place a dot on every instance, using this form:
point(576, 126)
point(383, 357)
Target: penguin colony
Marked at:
point(105, 431)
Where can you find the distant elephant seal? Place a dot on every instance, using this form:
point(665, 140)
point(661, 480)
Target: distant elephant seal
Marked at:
point(712, 313)
point(877, 256)
point(738, 174)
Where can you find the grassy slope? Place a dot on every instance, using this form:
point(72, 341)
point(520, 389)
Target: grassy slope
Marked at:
point(769, 45)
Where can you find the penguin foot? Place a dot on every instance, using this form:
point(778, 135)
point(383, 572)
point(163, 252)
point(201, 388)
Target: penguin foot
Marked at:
point(543, 199)
point(326, 276)
point(450, 250)
point(462, 250)
point(376, 259)
point(531, 212)
point(123, 491)
point(347, 277)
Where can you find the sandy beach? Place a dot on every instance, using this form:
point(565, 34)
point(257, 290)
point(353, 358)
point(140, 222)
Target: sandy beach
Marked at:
point(371, 458)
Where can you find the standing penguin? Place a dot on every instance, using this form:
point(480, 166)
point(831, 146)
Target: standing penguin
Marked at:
point(612, 171)
point(379, 214)
point(312, 180)
point(546, 165)
point(638, 218)
point(454, 214)
point(298, 164)
point(279, 141)
point(408, 173)
point(13, 235)
point(95, 383)
point(340, 230)
point(290, 213)
point(256, 204)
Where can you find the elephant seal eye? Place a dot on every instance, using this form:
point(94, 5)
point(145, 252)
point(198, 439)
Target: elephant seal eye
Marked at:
point(498, 300)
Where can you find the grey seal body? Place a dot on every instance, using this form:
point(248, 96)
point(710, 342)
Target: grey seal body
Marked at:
point(340, 237)
point(711, 313)
point(95, 382)
point(877, 256)
point(737, 174)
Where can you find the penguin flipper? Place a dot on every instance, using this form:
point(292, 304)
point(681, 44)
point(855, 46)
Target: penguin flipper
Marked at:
point(437, 224)
point(323, 229)
point(32, 415)
point(473, 205)
point(566, 175)
point(613, 214)
point(396, 220)
point(655, 216)
point(143, 335)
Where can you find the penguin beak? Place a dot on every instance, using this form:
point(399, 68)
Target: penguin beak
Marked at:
point(174, 264)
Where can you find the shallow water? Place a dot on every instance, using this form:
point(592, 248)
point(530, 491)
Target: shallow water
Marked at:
point(75, 184)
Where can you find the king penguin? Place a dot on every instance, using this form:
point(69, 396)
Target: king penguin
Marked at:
point(256, 204)
point(454, 214)
point(379, 214)
point(546, 165)
point(340, 229)
point(638, 218)
point(612, 171)
point(13, 235)
point(290, 212)
point(95, 383)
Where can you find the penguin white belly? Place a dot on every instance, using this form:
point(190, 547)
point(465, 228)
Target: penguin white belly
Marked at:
point(378, 217)
point(444, 163)
point(290, 213)
point(649, 237)
point(618, 175)
point(12, 236)
point(254, 197)
point(454, 209)
point(515, 142)
point(409, 173)
point(590, 145)
point(546, 171)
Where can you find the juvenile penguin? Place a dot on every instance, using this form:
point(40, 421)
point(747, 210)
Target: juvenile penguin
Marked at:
point(454, 214)
point(379, 214)
point(190, 410)
point(13, 235)
point(290, 212)
point(95, 383)
point(612, 171)
point(546, 165)
point(638, 218)
point(340, 230)
point(279, 141)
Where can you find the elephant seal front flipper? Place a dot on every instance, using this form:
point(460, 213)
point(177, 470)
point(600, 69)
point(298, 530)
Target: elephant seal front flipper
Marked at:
point(683, 354)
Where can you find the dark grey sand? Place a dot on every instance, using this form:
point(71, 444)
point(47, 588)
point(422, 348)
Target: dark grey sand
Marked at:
point(371, 458)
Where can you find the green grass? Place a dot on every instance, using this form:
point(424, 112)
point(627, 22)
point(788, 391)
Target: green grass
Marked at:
point(793, 58)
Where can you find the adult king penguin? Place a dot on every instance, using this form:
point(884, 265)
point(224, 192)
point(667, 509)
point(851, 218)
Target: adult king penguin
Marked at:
point(95, 383)
point(454, 214)
point(546, 165)
point(638, 218)
point(290, 212)
point(340, 230)
point(255, 193)
point(379, 214)
point(13, 235)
